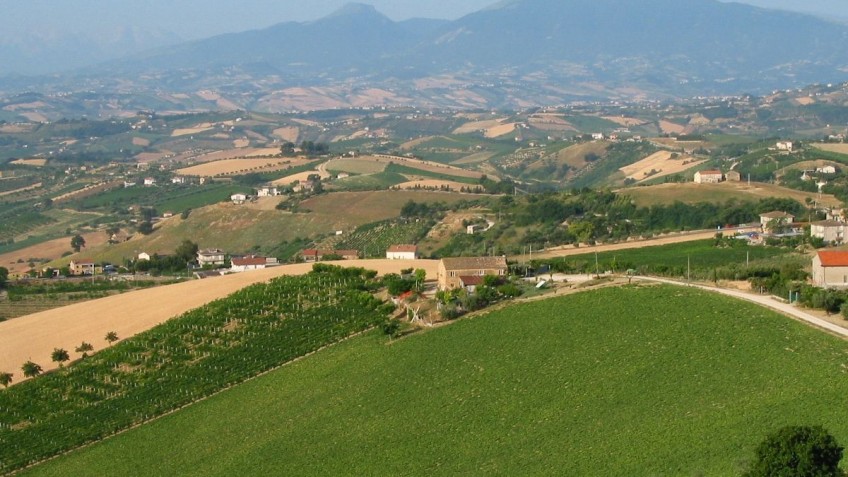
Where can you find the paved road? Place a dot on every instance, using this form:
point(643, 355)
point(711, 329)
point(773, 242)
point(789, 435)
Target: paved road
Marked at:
point(766, 301)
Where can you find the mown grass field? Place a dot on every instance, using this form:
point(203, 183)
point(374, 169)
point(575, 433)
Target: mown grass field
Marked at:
point(660, 381)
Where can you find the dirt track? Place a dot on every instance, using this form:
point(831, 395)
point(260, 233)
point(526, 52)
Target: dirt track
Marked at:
point(670, 239)
point(34, 337)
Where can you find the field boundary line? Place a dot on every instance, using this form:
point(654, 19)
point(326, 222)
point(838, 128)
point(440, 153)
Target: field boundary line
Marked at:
point(197, 401)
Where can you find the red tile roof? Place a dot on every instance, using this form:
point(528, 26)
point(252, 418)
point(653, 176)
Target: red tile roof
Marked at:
point(834, 258)
point(403, 248)
point(471, 281)
point(248, 261)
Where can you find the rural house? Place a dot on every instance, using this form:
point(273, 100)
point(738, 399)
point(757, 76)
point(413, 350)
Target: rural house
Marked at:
point(213, 257)
point(149, 182)
point(733, 176)
point(144, 256)
point(826, 170)
point(459, 272)
point(830, 231)
point(251, 262)
point(708, 177)
point(830, 269)
point(772, 221)
point(402, 252)
point(178, 180)
point(81, 267)
point(267, 192)
point(238, 198)
point(785, 146)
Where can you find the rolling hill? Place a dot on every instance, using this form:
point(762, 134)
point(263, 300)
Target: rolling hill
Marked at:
point(554, 50)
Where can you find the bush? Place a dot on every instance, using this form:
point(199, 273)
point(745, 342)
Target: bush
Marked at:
point(798, 451)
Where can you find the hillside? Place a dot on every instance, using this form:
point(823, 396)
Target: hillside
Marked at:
point(691, 193)
point(611, 382)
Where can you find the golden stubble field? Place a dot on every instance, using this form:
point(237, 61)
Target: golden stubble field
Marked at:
point(662, 164)
point(239, 166)
point(34, 337)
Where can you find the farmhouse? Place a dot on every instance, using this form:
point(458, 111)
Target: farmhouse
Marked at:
point(267, 192)
point(251, 262)
point(829, 230)
point(708, 177)
point(212, 257)
point(238, 198)
point(459, 272)
point(149, 182)
point(784, 146)
point(82, 266)
point(733, 176)
point(774, 220)
point(402, 252)
point(826, 170)
point(830, 269)
point(178, 180)
point(144, 256)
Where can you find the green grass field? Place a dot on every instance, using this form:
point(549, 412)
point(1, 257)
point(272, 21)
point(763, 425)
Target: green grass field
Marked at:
point(700, 256)
point(378, 181)
point(403, 169)
point(659, 381)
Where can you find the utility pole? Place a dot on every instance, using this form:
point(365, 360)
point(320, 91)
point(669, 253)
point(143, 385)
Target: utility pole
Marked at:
point(597, 268)
point(688, 270)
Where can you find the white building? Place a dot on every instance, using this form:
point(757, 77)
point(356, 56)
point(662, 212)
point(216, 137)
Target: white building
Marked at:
point(785, 146)
point(267, 192)
point(238, 198)
point(178, 180)
point(251, 262)
point(402, 252)
point(144, 256)
point(829, 230)
point(830, 269)
point(211, 256)
point(598, 136)
point(826, 170)
point(708, 177)
point(149, 181)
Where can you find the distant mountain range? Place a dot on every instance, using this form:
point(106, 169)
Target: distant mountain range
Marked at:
point(516, 53)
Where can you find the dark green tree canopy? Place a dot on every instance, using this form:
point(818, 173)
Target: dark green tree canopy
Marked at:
point(77, 242)
point(798, 451)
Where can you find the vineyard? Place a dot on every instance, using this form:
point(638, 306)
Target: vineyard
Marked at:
point(198, 354)
point(373, 239)
point(19, 221)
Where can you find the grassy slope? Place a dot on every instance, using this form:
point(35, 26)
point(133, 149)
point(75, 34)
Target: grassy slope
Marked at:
point(691, 193)
point(633, 381)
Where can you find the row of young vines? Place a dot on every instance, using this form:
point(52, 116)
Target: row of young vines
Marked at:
point(183, 360)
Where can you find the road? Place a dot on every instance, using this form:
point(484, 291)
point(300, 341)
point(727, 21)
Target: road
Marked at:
point(652, 242)
point(766, 301)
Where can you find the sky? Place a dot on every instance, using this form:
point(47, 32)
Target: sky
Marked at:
point(192, 19)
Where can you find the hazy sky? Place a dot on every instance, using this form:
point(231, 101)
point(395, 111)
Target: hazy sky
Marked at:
point(200, 18)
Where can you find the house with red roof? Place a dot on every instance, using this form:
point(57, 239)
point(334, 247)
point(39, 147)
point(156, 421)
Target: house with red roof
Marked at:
point(402, 252)
point(250, 262)
point(830, 269)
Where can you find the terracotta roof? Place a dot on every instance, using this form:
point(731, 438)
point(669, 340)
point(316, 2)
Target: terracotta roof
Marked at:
point(474, 263)
point(834, 258)
point(776, 215)
point(83, 261)
point(250, 260)
point(471, 281)
point(403, 248)
point(711, 173)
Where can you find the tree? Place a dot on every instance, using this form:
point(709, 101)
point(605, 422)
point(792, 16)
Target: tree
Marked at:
point(4, 277)
point(187, 251)
point(798, 451)
point(59, 355)
point(84, 348)
point(31, 369)
point(145, 228)
point(5, 379)
point(77, 243)
point(111, 337)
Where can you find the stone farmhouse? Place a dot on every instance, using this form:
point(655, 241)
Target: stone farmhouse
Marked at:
point(467, 271)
